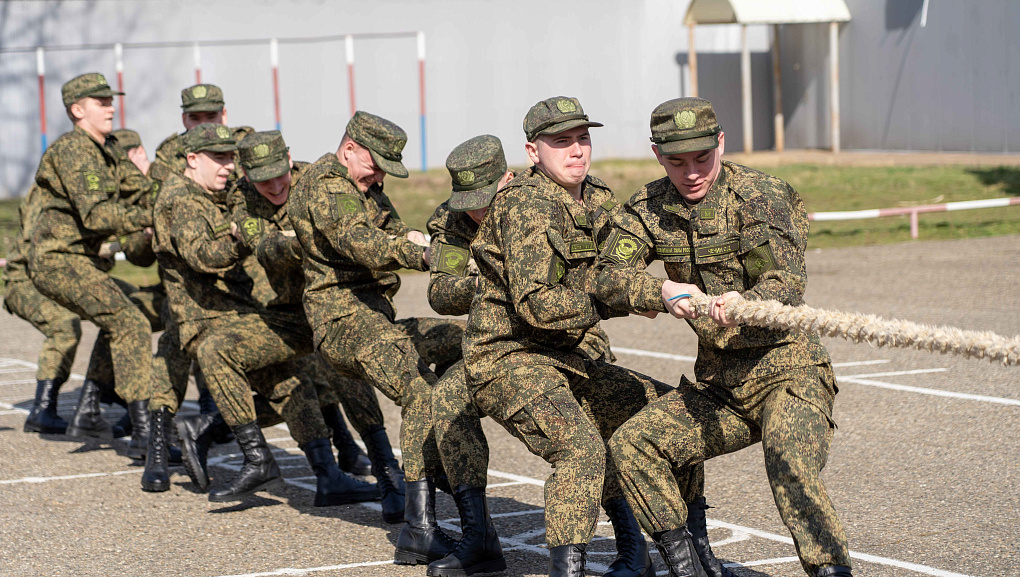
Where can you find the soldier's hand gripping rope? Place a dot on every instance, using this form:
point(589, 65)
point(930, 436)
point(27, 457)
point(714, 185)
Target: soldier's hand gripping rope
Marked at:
point(872, 329)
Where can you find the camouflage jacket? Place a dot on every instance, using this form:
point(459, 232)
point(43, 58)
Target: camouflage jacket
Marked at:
point(207, 273)
point(453, 274)
point(80, 200)
point(536, 251)
point(747, 235)
point(351, 241)
point(142, 192)
point(172, 159)
point(261, 224)
point(17, 255)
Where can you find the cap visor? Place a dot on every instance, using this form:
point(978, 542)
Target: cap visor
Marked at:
point(391, 167)
point(690, 145)
point(565, 126)
point(269, 171)
point(472, 199)
point(105, 93)
point(203, 107)
point(217, 148)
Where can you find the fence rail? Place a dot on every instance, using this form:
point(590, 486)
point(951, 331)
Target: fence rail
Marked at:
point(913, 211)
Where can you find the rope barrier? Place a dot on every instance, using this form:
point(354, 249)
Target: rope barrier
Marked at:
point(872, 329)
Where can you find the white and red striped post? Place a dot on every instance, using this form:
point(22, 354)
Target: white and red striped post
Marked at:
point(118, 54)
point(197, 52)
point(421, 97)
point(40, 67)
point(349, 52)
point(274, 62)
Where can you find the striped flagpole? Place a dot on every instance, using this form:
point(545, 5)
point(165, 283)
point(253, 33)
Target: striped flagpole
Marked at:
point(349, 51)
point(40, 67)
point(197, 51)
point(274, 61)
point(118, 52)
point(421, 95)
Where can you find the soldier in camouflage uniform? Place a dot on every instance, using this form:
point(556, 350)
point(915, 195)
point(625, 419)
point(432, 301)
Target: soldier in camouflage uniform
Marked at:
point(80, 186)
point(723, 229)
point(352, 238)
point(478, 169)
point(530, 360)
point(61, 327)
point(213, 284)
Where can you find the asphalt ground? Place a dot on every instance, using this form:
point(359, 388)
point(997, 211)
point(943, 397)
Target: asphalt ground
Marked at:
point(924, 469)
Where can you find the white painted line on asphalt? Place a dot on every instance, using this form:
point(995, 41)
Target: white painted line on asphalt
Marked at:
point(493, 485)
point(17, 370)
point(18, 382)
point(518, 478)
point(924, 569)
point(13, 408)
point(775, 561)
point(66, 477)
point(894, 373)
point(932, 392)
point(652, 354)
point(14, 412)
point(291, 571)
point(860, 363)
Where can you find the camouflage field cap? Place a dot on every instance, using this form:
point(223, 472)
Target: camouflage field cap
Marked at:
point(553, 116)
point(202, 98)
point(384, 140)
point(89, 84)
point(475, 167)
point(264, 155)
point(126, 138)
point(684, 125)
point(210, 137)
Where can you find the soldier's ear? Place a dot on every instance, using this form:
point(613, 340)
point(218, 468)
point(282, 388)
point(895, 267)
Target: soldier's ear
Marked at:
point(76, 111)
point(223, 116)
point(192, 160)
point(532, 149)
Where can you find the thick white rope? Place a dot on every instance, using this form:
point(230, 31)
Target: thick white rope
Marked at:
point(872, 329)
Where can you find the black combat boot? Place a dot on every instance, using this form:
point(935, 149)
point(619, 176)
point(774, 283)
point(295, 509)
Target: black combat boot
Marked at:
point(88, 418)
point(833, 571)
point(677, 550)
point(349, 455)
point(333, 486)
point(138, 447)
point(632, 559)
point(388, 474)
point(44, 418)
point(698, 528)
point(567, 560)
point(123, 427)
point(478, 550)
point(259, 472)
point(156, 477)
point(421, 541)
point(195, 433)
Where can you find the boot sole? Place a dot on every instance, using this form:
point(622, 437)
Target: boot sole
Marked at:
point(191, 463)
point(491, 566)
point(89, 434)
point(156, 487)
point(44, 430)
point(136, 453)
point(394, 518)
point(345, 499)
point(272, 484)
point(408, 558)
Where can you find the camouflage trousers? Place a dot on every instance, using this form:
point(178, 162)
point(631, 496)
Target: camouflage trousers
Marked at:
point(76, 284)
point(458, 430)
point(395, 357)
point(355, 395)
point(568, 426)
point(257, 352)
point(61, 327)
point(171, 366)
point(790, 413)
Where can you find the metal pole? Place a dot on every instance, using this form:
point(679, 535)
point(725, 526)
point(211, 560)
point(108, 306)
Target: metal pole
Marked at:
point(198, 63)
point(40, 67)
point(834, 83)
point(692, 59)
point(745, 85)
point(118, 52)
point(421, 93)
point(274, 62)
point(777, 91)
point(349, 50)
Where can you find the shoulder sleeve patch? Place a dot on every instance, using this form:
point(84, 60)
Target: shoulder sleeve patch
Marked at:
point(91, 180)
point(557, 268)
point(251, 228)
point(347, 204)
point(759, 261)
point(624, 248)
point(453, 260)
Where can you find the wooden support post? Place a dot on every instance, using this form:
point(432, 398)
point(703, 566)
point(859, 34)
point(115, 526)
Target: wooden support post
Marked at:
point(777, 91)
point(745, 85)
point(834, 83)
point(692, 60)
